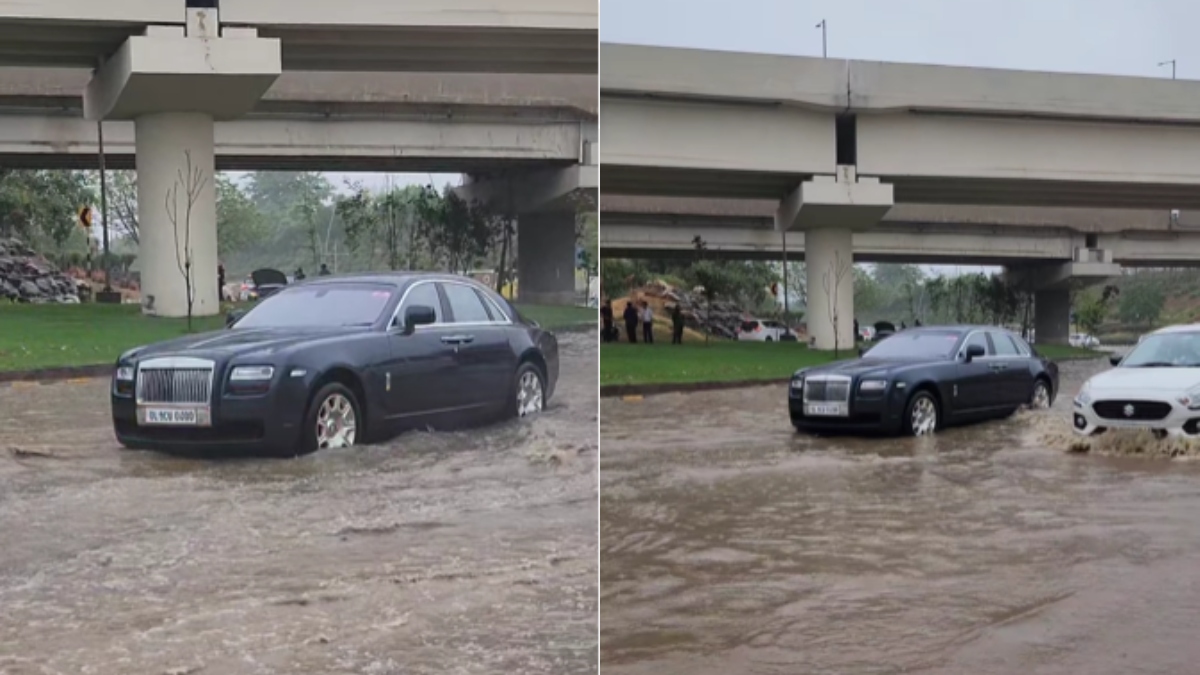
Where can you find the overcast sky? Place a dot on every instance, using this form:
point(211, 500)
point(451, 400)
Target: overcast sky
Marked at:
point(1117, 37)
point(1120, 37)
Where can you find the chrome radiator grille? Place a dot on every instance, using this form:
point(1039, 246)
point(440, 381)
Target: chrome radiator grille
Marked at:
point(175, 381)
point(827, 390)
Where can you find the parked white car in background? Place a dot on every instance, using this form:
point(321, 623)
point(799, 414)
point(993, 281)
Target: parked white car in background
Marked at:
point(1156, 386)
point(761, 330)
point(1083, 340)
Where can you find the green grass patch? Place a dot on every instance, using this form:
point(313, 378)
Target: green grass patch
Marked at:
point(52, 336)
point(723, 361)
point(1066, 352)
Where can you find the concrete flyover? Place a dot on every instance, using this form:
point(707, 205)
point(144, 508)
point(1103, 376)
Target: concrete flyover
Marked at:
point(515, 36)
point(832, 145)
point(175, 69)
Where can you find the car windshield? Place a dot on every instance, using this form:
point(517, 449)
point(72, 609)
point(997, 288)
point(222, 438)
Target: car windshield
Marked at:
point(1166, 350)
point(916, 345)
point(329, 305)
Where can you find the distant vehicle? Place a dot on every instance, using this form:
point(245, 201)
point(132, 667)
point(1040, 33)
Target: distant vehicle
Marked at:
point(1083, 340)
point(336, 362)
point(883, 329)
point(1156, 386)
point(761, 330)
point(866, 333)
point(923, 379)
point(267, 282)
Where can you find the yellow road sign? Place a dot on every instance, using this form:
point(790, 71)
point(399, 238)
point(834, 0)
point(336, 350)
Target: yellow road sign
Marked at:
point(85, 217)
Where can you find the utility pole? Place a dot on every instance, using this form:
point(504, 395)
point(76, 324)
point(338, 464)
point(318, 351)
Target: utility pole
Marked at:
point(786, 318)
point(824, 43)
point(1172, 64)
point(104, 206)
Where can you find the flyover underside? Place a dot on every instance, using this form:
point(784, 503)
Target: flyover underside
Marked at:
point(290, 144)
point(697, 183)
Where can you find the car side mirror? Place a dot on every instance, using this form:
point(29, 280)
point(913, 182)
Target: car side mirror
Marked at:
point(234, 316)
point(974, 352)
point(418, 315)
point(1115, 359)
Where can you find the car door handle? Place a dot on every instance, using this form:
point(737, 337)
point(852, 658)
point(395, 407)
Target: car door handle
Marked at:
point(458, 339)
point(999, 366)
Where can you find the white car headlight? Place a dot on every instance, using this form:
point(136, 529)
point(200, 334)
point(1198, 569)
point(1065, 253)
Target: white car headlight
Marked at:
point(1084, 396)
point(125, 373)
point(1191, 399)
point(251, 373)
point(873, 385)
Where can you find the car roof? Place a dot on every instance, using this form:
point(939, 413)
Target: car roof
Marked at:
point(397, 279)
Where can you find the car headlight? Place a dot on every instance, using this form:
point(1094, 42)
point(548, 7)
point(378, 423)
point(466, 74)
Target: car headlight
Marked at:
point(797, 383)
point(1084, 396)
point(1191, 399)
point(872, 385)
point(125, 373)
point(252, 373)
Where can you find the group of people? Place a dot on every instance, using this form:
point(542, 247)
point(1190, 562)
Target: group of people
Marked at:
point(635, 314)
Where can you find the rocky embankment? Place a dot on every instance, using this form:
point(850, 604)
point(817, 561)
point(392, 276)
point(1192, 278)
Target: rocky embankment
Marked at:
point(26, 276)
point(720, 319)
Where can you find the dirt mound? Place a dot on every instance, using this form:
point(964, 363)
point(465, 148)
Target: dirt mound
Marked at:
point(26, 276)
point(721, 319)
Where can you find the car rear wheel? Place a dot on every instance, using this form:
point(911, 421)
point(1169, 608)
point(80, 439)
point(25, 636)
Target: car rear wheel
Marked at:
point(529, 391)
point(333, 419)
point(923, 414)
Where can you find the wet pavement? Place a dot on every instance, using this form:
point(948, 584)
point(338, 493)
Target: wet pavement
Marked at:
point(468, 552)
point(729, 544)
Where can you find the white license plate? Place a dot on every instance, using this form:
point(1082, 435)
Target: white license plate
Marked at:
point(824, 409)
point(179, 417)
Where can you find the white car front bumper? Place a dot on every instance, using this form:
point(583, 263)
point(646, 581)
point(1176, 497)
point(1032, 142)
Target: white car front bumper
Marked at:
point(1135, 410)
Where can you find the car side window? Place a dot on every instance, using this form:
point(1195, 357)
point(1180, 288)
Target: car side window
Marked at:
point(1004, 345)
point(976, 339)
point(465, 304)
point(422, 295)
point(1022, 347)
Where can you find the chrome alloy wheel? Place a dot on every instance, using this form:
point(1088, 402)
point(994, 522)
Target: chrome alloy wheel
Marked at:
point(924, 417)
point(529, 394)
point(1041, 396)
point(336, 423)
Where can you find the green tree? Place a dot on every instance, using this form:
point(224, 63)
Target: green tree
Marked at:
point(41, 207)
point(1141, 302)
point(240, 225)
point(458, 232)
point(1090, 311)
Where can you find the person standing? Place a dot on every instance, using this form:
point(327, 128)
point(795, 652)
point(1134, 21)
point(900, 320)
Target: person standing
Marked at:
point(606, 321)
point(857, 332)
point(676, 325)
point(299, 275)
point(631, 321)
point(220, 282)
point(324, 271)
point(647, 323)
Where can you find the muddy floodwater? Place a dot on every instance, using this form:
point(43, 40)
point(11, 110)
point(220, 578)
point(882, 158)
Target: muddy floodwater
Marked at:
point(467, 552)
point(729, 544)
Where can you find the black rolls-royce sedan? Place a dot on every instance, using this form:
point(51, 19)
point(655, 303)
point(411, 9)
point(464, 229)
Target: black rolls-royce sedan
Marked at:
point(923, 379)
point(337, 361)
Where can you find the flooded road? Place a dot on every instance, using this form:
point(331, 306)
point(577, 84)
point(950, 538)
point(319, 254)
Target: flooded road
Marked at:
point(470, 552)
point(731, 544)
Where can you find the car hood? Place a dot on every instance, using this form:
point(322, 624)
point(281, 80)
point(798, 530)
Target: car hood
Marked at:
point(242, 341)
point(1172, 379)
point(867, 366)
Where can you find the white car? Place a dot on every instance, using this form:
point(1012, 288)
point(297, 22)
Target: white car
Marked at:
point(761, 330)
point(1084, 340)
point(1156, 386)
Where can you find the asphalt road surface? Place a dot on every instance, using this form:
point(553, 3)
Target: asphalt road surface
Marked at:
point(467, 552)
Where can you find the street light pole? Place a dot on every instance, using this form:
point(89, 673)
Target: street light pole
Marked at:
point(1172, 64)
point(824, 43)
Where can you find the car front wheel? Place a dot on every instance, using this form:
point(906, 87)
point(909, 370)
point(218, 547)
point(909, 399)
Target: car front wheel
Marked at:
point(1040, 398)
point(529, 395)
point(333, 419)
point(923, 414)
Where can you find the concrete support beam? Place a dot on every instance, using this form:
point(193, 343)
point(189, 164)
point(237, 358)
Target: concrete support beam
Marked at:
point(1052, 317)
point(546, 257)
point(1088, 267)
point(535, 191)
point(177, 212)
point(829, 255)
point(197, 70)
point(843, 200)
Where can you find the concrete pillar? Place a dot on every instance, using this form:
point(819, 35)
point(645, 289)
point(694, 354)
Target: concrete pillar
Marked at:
point(177, 212)
point(546, 258)
point(1052, 317)
point(829, 265)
